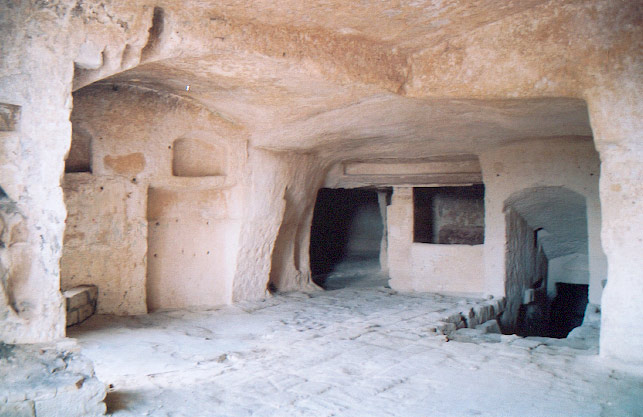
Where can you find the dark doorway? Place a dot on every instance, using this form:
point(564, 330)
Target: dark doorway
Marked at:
point(567, 308)
point(346, 231)
point(546, 264)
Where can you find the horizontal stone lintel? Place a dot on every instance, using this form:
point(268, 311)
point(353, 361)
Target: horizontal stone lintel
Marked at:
point(460, 166)
point(426, 180)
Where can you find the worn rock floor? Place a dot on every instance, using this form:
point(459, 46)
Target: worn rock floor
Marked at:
point(356, 351)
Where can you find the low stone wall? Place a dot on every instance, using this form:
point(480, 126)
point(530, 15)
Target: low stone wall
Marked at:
point(48, 380)
point(425, 267)
point(81, 303)
point(473, 316)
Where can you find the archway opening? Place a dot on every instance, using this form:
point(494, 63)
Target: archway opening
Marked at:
point(346, 237)
point(547, 273)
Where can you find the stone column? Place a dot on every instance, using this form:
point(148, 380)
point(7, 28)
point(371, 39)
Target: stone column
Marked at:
point(37, 81)
point(400, 237)
point(616, 115)
point(381, 200)
point(280, 195)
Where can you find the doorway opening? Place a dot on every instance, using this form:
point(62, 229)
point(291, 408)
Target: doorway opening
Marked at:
point(346, 237)
point(547, 272)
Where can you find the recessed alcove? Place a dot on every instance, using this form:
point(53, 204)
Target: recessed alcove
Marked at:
point(79, 158)
point(197, 158)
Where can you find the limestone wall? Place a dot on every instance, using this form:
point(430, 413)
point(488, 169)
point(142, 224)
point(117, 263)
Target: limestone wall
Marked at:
point(192, 248)
point(565, 162)
point(156, 222)
point(275, 232)
point(41, 41)
point(303, 87)
point(32, 150)
point(105, 241)
point(616, 112)
point(423, 266)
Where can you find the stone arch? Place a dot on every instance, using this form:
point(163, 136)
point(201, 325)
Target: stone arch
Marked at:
point(546, 245)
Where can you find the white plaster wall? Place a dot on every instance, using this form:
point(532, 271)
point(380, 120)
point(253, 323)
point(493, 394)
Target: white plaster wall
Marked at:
point(447, 268)
point(571, 269)
point(427, 267)
point(571, 162)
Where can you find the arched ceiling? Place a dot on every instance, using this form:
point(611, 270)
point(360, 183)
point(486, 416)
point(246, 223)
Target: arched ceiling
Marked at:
point(285, 107)
point(369, 79)
point(560, 212)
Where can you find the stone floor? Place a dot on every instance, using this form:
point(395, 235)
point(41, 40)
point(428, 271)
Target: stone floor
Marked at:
point(357, 351)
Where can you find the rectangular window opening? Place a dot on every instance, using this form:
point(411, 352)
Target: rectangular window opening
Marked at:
point(449, 215)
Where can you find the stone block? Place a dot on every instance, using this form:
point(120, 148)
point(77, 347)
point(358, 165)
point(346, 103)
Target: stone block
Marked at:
point(490, 326)
point(60, 406)
point(76, 297)
point(72, 318)
point(84, 312)
point(499, 305)
point(92, 293)
point(446, 328)
point(472, 322)
point(22, 409)
point(81, 303)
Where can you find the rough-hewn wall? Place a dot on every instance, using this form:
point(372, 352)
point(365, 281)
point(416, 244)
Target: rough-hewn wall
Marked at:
point(520, 259)
point(364, 65)
point(40, 43)
point(275, 234)
point(616, 112)
point(154, 224)
point(105, 241)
